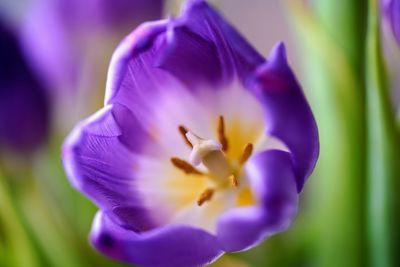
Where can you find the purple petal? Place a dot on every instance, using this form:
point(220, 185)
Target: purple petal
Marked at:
point(60, 53)
point(117, 13)
point(175, 245)
point(196, 48)
point(24, 107)
point(272, 177)
point(54, 52)
point(392, 11)
point(99, 157)
point(235, 52)
point(289, 116)
point(131, 68)
point(190, 57)
point(211, 51)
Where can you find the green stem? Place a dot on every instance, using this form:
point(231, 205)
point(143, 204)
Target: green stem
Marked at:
point(336, 191)
point(52, 240)
point(344, 21)
point(383, 155)
point(20, 247)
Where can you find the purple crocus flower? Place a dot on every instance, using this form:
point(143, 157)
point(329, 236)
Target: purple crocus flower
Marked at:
point(391, 9)
point(60, 34)
point(201, 148)
point(24, 109)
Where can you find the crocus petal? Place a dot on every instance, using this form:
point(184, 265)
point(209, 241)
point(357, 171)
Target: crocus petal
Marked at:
point(289, 117)
point(194, 69)
point(391, 9)
point(272, 177)
point(157, 54)
point(117, 13)
point(99, 157)
point(24, 107)
point(130, 63)
point(53, 52)
point(174, 245)
point(61, 52)
point(237, 55)
point(223, 53)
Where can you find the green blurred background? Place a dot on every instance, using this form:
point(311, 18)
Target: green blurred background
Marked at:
point(349, 211)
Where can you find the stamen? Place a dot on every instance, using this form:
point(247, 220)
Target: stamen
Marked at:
point(247, 151)
point(185, 166)
point(233, 181)
point(183, 131)
point(221, 133)
point(205, 196)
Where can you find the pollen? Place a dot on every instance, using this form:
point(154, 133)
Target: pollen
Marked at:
point(185, 166)
point(205, 196)
point(233, 181)
point(247, 151)
point(221, 133)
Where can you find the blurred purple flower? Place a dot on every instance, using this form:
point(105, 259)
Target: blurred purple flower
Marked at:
point(57, 33)
point(202, 146)
point(24, 110)
point(391, 9)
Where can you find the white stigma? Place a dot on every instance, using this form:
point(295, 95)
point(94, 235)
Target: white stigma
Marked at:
point(201, 148)
point(209, 152)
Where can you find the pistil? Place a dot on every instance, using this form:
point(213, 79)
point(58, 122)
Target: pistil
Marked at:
point(217, 164)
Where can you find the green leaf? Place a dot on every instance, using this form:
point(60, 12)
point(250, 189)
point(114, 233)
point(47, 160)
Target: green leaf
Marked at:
point(383, 155)
point(335, 88)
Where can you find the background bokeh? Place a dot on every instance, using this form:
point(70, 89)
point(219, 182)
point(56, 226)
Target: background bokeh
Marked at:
point(349, 210)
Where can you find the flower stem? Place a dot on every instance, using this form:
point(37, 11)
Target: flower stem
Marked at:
point(22, 253)
point(383, 154)
point(335, 87)
point(50, 238)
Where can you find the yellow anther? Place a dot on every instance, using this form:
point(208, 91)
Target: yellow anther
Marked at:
point(221, 133)
point(205, 196)
point(247, 151)
point(183, 131)
point(185, 166)
point(233, 181)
